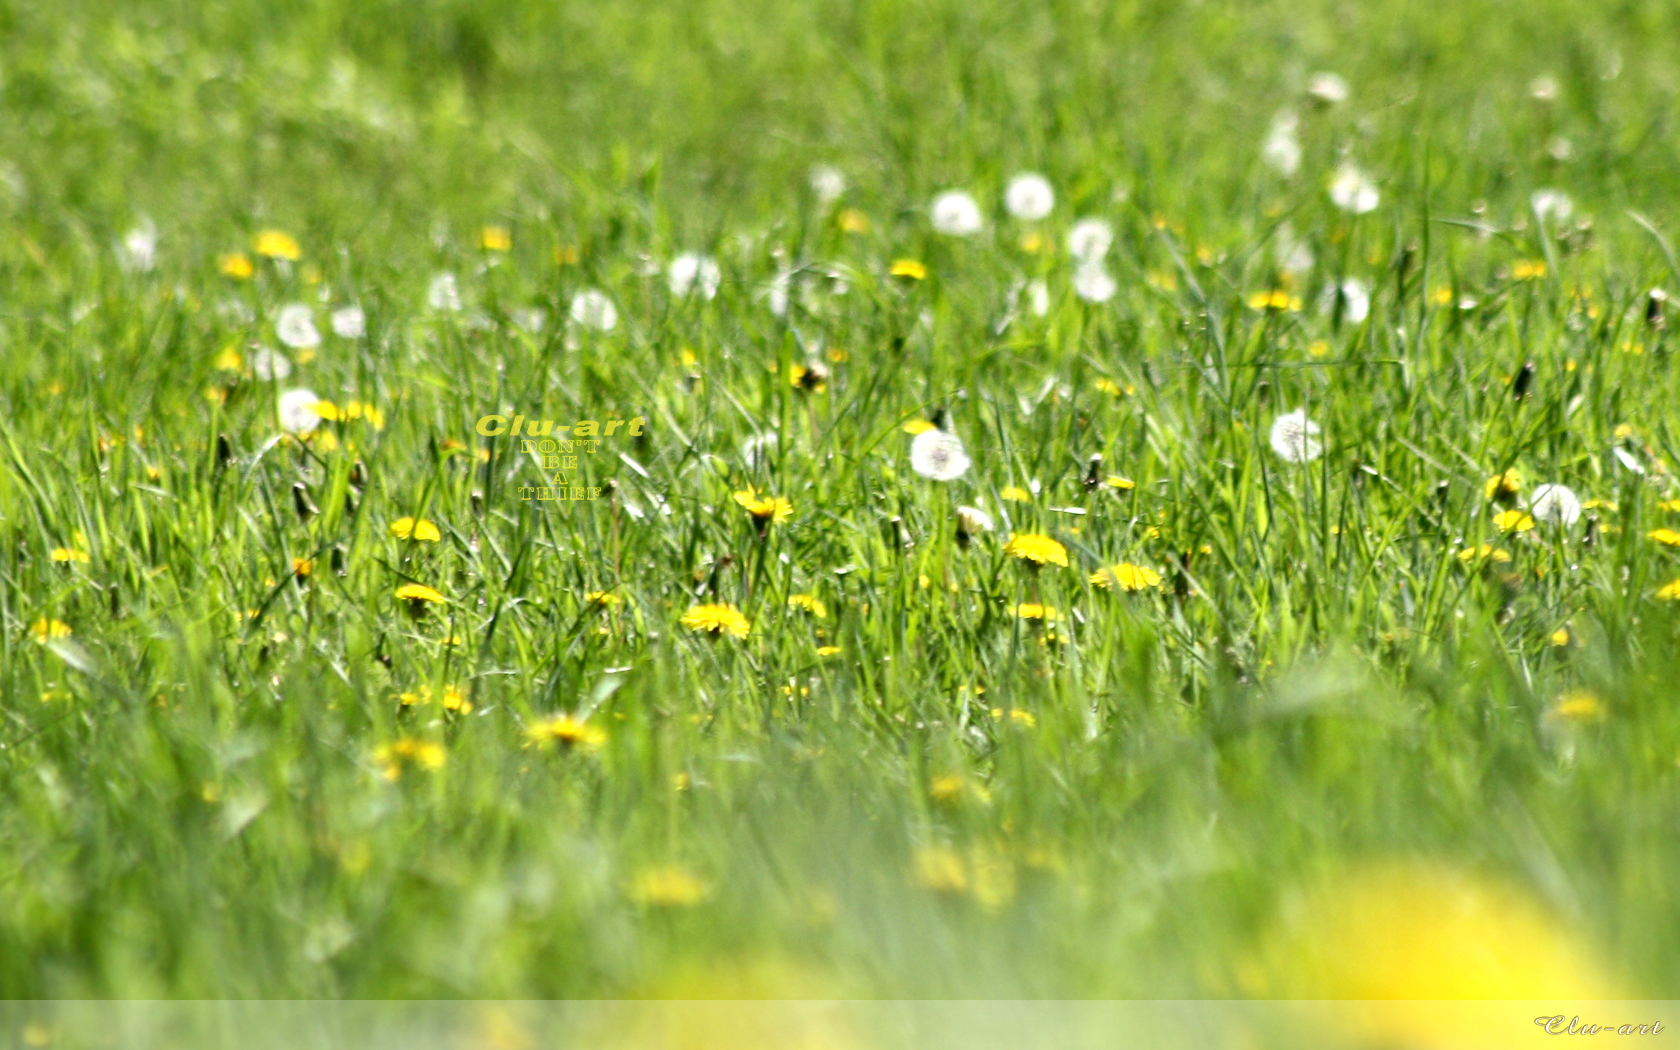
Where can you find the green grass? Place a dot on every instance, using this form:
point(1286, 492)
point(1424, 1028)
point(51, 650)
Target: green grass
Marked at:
point(194, 805)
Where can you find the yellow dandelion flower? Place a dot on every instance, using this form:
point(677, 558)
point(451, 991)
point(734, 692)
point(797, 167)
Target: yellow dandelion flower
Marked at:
point(274, 244)
point(418, 529)
point(1669, 591)
point(941, 869)
point(456, 700)
point(495, 239)
point(236, 265)
point(1513, 521)
point(850, 220)
point(1126, 576)
point(1109, 387)
point(1036, 549)
point(301, 568)
point(1486, 551)
point(565, 732)
point(717, 619)
point(229, 360)
point(1504, 486)
point(1115, 481)
point(810, 603)
point(765, 509)
point(1015, 494)
point(69, 554)
point(828, 650)
point(601, 599)
point(667, 886)
point(1024, 719)
point(1560, 637)
point(1035, 611)
point(1036, 243)
point(811, 378)
point(419, 594)
point(414, 699)
point(1580, 707)
point(45, 629)
point(1666, 537)
point(1276, 300)
point(952, 788)
point(1612, 506)
point(917, 426)
point(1528, 269)
point(399, 756)
point(909, 269)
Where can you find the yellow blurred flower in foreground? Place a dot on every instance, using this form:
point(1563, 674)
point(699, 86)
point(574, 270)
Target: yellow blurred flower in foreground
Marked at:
point(667, 886)
point(917, 426)
point(495, 239)
point(565, 732)
point(1035, 611)
point(1036, 549)
point(1411, 930)
point(1513, 521)
point(1486, 551)
point(45, 629)
point(1666, 537)
point(1504, 486)
point(1126, 576)
point(69, 554)
point(416, 529)
point(399, 756)
point(909, 268)
point(236, 265)
point(275, 244)
point(419, 594)
point(1278, 300)
point(1579, 707)
point(810, 603)
point(717, 619)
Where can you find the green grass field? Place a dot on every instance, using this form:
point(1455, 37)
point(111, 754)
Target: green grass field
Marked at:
point(1368, 721)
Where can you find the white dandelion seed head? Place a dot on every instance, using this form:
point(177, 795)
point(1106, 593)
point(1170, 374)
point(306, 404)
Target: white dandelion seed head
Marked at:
point(776, 293)
point(693, 272)
point(1560, 149)
point(1355, 296)
point(1328, 88)
point(349, 322)
point(295, 327)
point(973, 520)
point(297, 413)
point(1554, 503)
point(138, 251)
point(1092, 283)
point(1037, 292)
point(1295, 437)
point(592, 309)
point(532, 320)
point(956, 214)
point(1089, 240)
point(1282, 150)
point(444, 293)
point(1353, 191)
point(267, 365)
point(1552, 205)
point(828, 183)
point(1543, 89)
point(938, 454)
point(1029, 197)
point(757, 449)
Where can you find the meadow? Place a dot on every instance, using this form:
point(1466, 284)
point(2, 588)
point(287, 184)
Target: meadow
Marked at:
point(1238, 560)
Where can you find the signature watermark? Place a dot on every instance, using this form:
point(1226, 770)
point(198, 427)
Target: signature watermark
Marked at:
point(1558, 1024)
point(556, 447)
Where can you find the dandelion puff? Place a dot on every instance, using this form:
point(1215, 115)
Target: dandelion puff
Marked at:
point(972, 521)
point(444, 294)
point(1295, 437)
point(956, 214)
point(295, 327)
point(1029, 197)
point(1355, 297)
point(1353, 191)
point(1554, 503)
point(1328, 89)
point(267, 365)
point(1089, 240)
point(689, 272)
point(1552, 205)
point(592, 309)
point(1092, 283)
point(349, 322)
point(1037, 293)
point(138, 252)
point(828, 183)
point(938, 454)
point(1282, 150)
point(297, 411)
